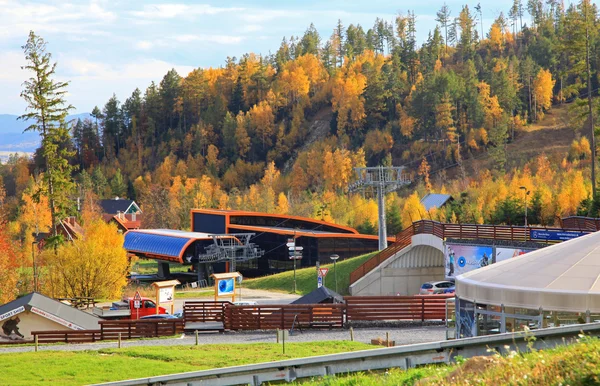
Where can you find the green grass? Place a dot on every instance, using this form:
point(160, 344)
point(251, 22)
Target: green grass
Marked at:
point(85, 367)
point(306, 278)
point(149, 267)
point(576, 364)
point(195, 294)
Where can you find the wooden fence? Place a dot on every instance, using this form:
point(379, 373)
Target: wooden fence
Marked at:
point(196, 311)
point(271, 317)
point(454, 231)
point(110, 329)
point(391, 308)
point(581, 223)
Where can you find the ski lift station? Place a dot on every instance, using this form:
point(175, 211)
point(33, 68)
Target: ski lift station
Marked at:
point(250, 242)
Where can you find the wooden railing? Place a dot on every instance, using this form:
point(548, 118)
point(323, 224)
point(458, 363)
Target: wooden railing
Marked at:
point(67, 336)
point(443, 231)
point(390, 308)
point(110, 329)
point(581, 223)
point(403, 239)
point(271, 317)
point(197, 311)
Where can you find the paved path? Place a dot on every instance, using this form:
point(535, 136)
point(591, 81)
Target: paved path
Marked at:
point(409, 334)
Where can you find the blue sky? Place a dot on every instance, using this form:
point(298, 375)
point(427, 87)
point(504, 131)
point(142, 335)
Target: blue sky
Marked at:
point(114, 46)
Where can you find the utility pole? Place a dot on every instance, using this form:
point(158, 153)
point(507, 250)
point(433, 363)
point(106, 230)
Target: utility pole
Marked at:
point(589, 97)
point(385, 180)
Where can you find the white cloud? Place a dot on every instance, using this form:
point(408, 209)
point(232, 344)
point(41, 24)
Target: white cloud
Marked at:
point(220, 39)
point(169, 11)
point(144, 45)
point(19, 17)
point(251, 28)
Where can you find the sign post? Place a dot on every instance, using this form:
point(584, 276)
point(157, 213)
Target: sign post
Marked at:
point(295, 254)
point(165, 293)
point(137, 303)
point(321, 278)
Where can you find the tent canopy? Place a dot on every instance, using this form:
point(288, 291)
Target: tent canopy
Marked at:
point(561, 277)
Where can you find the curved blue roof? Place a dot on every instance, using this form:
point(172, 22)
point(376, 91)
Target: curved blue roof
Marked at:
point(155, 244)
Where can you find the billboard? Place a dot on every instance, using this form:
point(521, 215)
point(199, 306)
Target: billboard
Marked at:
point(464, 258)
point(549, 235)
point(225, 287)
point(508, 253)
point(165, 295)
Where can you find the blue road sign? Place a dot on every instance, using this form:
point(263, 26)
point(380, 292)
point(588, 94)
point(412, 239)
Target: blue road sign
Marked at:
point(554, 235)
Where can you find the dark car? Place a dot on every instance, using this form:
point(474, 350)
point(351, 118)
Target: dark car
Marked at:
point(159, 316)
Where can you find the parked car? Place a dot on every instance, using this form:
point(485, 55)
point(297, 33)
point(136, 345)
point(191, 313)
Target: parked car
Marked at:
point(450, 290)
point(435, 287)
point(244, 303)
point(159, 316)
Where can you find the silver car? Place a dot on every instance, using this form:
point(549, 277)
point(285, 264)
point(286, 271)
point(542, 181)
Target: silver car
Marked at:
point(435, 287)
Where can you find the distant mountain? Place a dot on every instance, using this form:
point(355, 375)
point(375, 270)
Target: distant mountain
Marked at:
point(13, 139)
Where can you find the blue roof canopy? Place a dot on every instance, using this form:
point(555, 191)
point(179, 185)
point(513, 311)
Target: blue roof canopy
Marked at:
point(157, 244)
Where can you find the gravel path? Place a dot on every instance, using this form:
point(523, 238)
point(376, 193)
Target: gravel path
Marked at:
point(408, 334)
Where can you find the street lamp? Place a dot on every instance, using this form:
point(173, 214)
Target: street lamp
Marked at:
point(334, 258)
point(33, 243)
point(526, 194)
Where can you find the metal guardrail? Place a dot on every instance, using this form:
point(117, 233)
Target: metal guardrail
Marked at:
point(377, 359)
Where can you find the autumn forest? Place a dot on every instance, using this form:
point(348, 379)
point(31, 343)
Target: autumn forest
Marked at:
point(282, 132)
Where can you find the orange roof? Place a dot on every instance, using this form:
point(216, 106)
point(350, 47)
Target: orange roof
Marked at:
point(231, 212)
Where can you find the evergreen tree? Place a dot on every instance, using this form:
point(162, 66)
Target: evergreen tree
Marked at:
point(48, 109)
point(118, 185)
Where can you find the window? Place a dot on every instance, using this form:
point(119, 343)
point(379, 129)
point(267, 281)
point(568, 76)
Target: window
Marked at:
point(149, 304)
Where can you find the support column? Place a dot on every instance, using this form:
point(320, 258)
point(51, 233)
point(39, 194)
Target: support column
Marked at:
point(382, 226)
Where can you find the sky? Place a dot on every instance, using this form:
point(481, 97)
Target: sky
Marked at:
point(105, 47)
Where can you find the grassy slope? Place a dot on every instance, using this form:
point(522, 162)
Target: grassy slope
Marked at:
point(85, 367)
point(577, 364)
point(306, 278)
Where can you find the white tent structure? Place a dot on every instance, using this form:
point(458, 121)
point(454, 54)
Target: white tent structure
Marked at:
point(563, 277)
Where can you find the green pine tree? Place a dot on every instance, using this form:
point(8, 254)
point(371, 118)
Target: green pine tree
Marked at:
point(47, 108)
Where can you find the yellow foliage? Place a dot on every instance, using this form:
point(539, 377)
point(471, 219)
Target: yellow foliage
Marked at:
point(542, 89)
point(412, 211)
point(95, 265)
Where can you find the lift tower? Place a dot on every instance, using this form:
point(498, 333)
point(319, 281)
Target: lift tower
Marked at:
point(385, 179)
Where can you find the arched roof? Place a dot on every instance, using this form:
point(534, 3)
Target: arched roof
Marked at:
point(561, 277)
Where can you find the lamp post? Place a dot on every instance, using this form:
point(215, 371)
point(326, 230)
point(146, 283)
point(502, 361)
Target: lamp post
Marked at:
point(526, 194)
point(334, 258)
point(34, 269)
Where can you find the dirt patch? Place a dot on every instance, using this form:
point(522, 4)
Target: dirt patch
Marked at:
point(472, 366)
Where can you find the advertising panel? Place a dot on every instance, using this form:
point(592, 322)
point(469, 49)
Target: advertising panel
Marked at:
point(508, 253)
point(464, 258)
point(165, 295)
point(225, 287)
point(548, 235)
point(12, 313)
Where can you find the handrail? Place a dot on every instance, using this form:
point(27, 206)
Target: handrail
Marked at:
point(459, 231)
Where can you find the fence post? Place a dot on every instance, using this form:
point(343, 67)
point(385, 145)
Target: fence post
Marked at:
point(66, 338)
point(422, 310)
point(156, 329)
point(282, 317)
point(351, 334)
point(196, 337)
point(129, 331)
point(35, 338)
point(258, 318)
point(119, 340)
point(342, 316)
point(101, 331)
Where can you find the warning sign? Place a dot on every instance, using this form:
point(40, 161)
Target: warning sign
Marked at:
point(323, 272)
